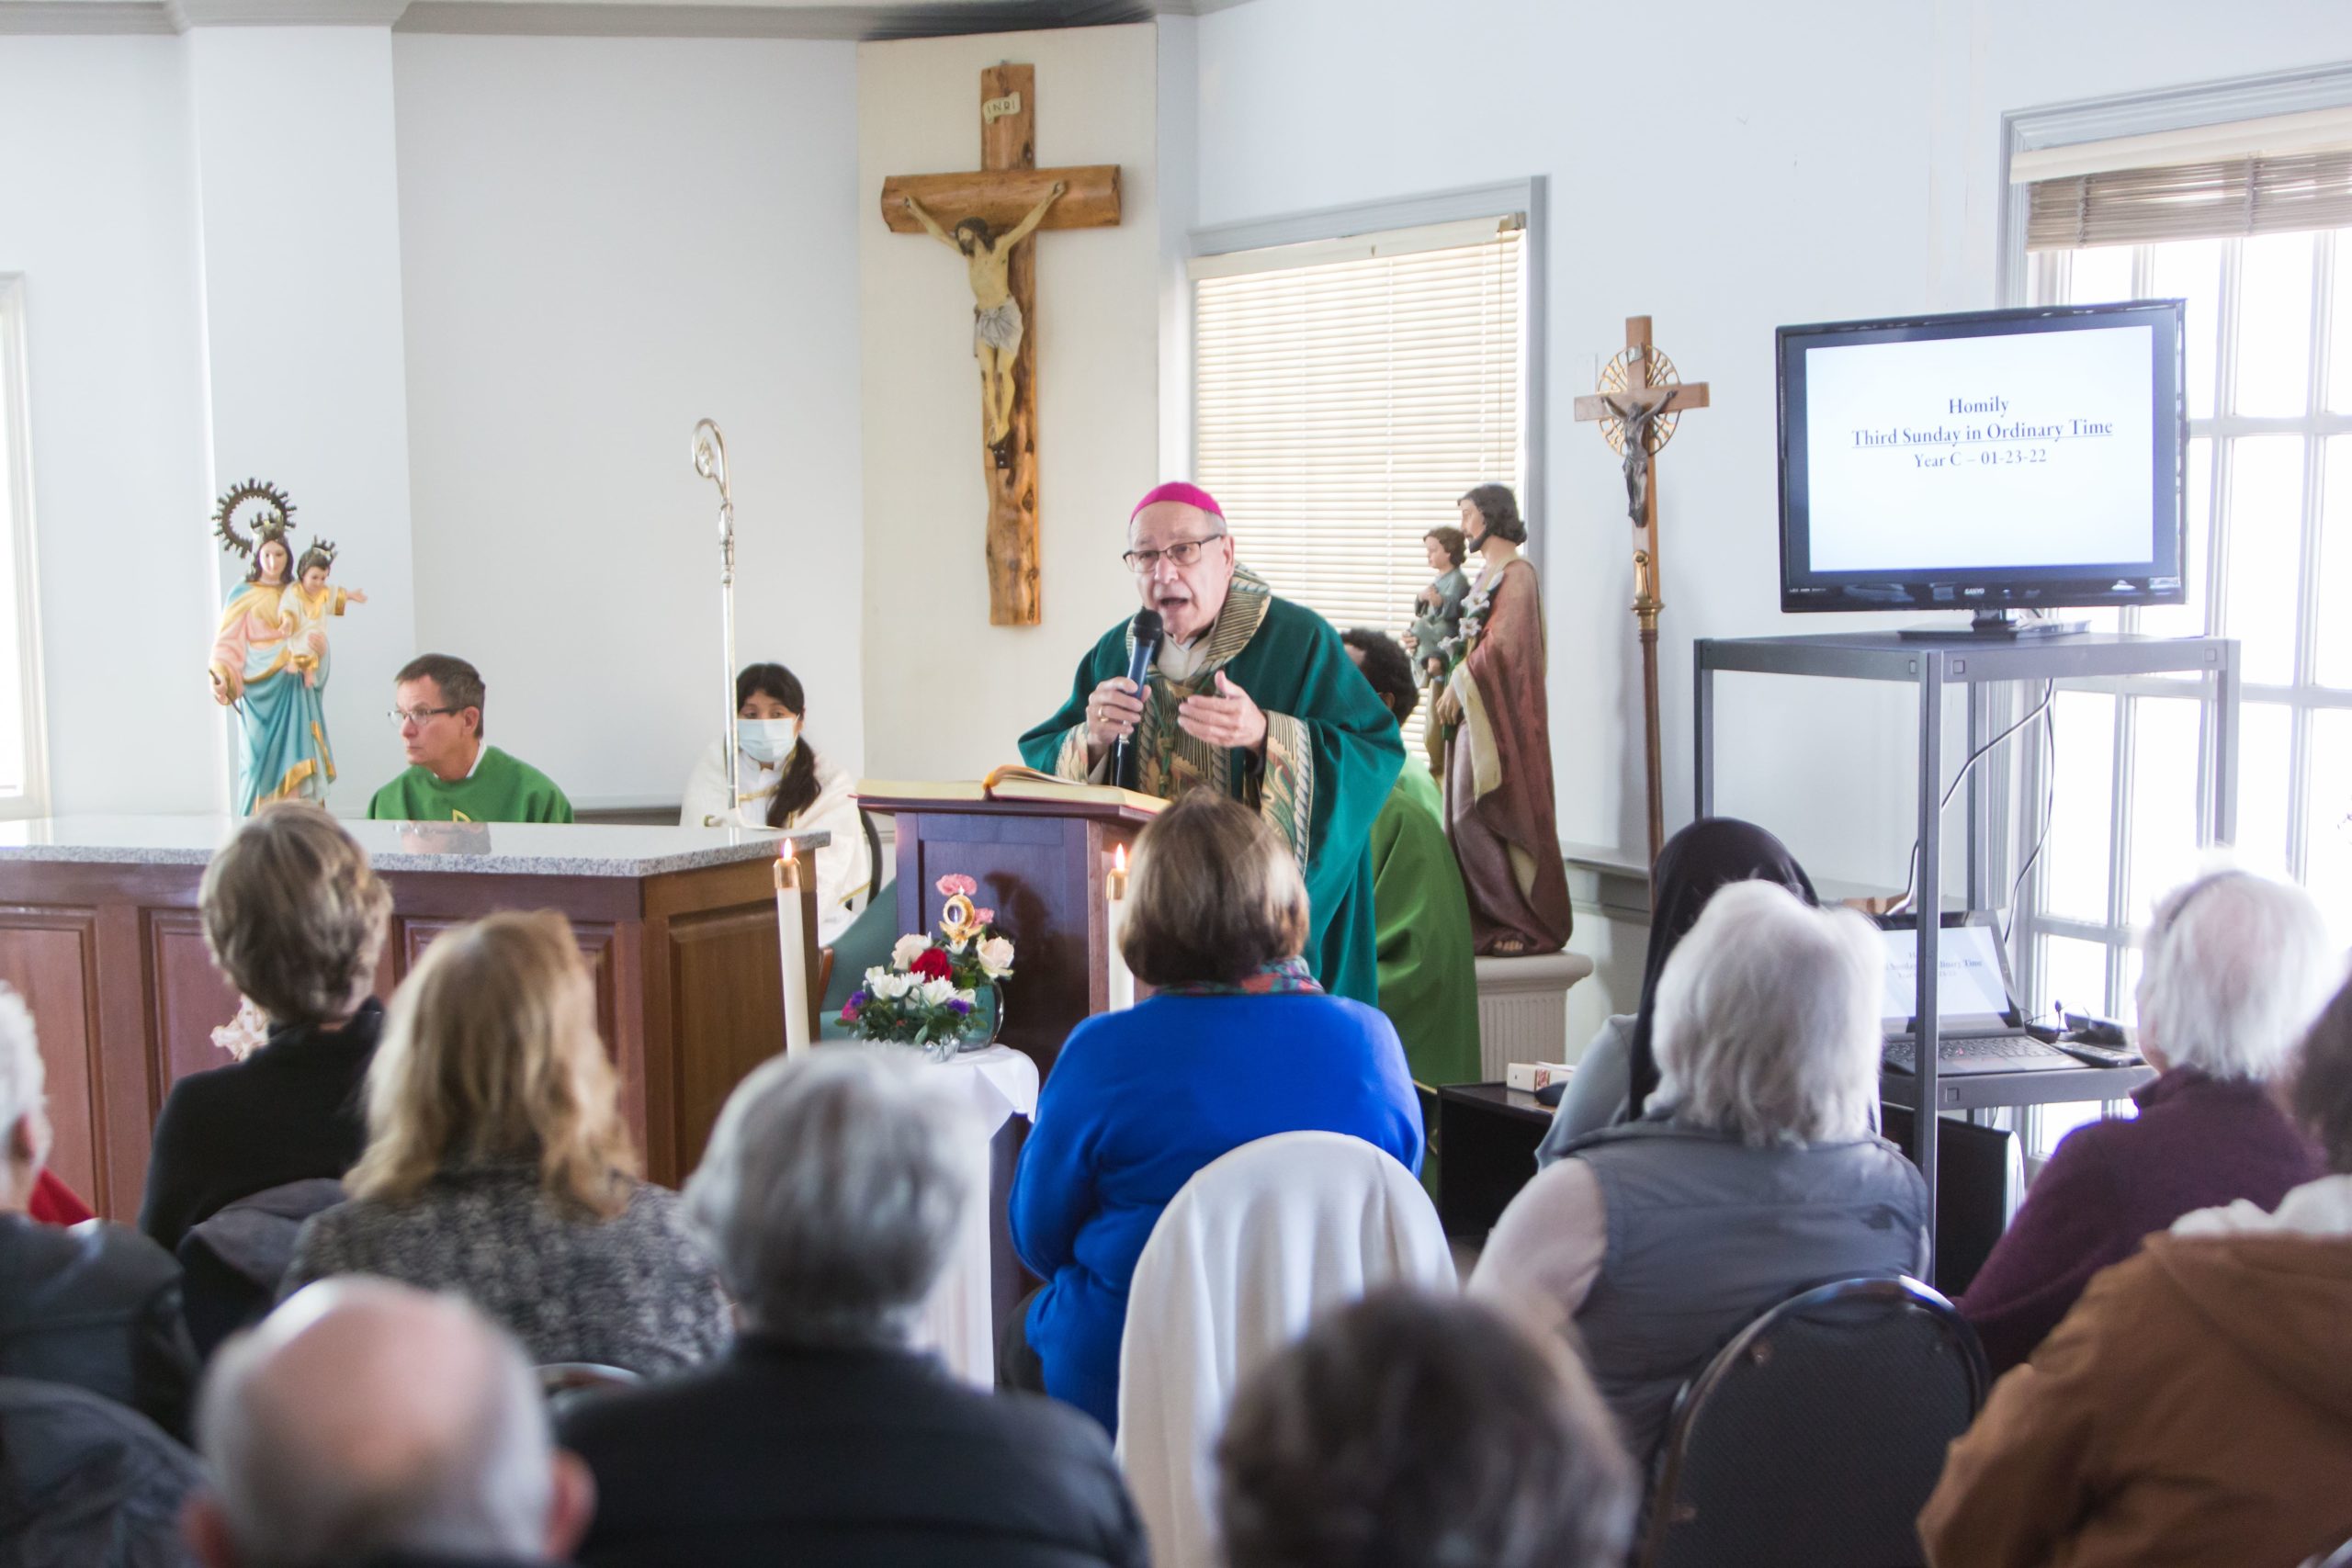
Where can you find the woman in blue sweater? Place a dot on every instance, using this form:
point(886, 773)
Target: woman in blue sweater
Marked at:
point(1238, 1043)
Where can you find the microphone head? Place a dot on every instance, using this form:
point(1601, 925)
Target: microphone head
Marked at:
point(1148, 627)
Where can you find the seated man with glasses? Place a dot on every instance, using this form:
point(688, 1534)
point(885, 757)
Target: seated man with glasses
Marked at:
point(1247, 695)
point(453, 777)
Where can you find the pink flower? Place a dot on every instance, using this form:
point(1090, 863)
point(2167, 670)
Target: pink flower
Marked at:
point(955, 883)
point(983, 917)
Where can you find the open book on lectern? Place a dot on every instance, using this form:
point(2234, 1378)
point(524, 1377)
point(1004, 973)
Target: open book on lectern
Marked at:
point(1012, 781)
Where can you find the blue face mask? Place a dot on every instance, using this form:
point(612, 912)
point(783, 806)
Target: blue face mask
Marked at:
point(768, 740)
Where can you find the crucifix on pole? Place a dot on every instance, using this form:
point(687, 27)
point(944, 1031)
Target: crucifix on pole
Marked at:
point(988, 217)
point(1640, 402)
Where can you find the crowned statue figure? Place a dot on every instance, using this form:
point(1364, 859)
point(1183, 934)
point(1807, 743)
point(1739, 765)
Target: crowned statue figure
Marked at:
point(270, 654)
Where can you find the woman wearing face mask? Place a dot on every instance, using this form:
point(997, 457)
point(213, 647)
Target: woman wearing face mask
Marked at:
point(784, 783)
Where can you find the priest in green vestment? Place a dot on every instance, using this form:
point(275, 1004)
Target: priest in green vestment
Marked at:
point(1248, 694)
point(453, 776)
point(1429, 973)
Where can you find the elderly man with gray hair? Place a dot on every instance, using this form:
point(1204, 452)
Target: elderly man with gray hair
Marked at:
point(2234, 967)
point(1755, 1171)
point(368, 1423)
point(830, 1197)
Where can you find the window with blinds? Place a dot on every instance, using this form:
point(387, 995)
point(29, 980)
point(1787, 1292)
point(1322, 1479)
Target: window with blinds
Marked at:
point(1347, 393)
point(2233, 198)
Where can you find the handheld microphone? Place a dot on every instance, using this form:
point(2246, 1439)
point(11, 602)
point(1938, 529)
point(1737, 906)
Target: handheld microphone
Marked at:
point(1146, 629)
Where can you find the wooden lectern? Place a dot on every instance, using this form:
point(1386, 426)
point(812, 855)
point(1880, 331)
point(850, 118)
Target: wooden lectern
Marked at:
point(1042, 867)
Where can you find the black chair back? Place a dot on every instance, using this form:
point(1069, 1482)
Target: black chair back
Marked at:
point(234, 1259)
point(1817, 1433)
point(88, 1481)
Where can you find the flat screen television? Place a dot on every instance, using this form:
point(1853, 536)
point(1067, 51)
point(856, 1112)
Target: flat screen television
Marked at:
point(1990, 461)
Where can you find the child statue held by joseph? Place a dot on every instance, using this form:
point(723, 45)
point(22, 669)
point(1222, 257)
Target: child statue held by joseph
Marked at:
point(270, 655)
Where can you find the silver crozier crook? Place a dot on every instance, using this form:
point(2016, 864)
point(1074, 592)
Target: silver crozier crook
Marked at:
point(710, 462)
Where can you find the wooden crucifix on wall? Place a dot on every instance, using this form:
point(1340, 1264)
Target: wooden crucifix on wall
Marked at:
point(989, 217)
point(1640, 402)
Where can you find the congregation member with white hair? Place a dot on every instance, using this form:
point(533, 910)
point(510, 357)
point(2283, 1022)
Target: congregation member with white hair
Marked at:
point(96, 1306)
point(832, 1196)
point(369, 1424)
point(2196, 1406)
point(1754, 1172)
point(2235, 966)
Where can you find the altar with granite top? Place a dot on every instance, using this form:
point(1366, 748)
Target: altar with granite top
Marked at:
point(100, 931)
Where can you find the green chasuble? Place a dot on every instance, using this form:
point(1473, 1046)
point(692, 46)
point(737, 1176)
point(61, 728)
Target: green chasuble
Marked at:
point(1429, 977)
point(500, 789)
point(1332, 752)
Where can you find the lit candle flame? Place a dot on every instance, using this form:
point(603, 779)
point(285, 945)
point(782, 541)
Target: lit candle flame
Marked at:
point(1119, 860)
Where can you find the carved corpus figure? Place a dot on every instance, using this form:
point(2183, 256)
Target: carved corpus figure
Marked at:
point(996, 315)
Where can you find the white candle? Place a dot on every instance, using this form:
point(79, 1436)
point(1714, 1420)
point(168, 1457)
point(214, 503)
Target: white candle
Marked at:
point(1122, 979)
point(793, 934)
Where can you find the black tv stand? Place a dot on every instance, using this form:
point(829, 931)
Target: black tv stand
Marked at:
point(1996, 625)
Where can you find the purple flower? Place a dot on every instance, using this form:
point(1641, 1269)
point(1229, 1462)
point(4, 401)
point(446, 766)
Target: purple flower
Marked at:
point(959, 1008)
point(857, 1000)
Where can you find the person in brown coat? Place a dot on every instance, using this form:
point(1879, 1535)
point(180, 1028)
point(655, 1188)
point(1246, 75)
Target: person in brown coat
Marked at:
point(2196, 1406)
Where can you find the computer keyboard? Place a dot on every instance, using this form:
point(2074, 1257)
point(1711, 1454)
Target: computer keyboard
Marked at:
point(1905, 1054)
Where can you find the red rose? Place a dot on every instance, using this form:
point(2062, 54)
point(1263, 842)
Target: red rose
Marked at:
point(932, 965)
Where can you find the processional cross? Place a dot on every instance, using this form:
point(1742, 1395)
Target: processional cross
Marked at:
point(989, 217)
point(1640, 402)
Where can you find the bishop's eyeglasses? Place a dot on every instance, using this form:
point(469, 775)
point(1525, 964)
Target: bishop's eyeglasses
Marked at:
point(418, 717)
point(1183, 552)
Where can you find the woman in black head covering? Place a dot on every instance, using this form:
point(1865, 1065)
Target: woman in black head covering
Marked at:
point(1617, 1073)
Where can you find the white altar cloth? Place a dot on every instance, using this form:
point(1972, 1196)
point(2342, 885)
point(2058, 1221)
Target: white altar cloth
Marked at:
point(996, 1085)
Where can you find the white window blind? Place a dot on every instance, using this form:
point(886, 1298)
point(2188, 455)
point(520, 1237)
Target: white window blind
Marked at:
point(1342, 404)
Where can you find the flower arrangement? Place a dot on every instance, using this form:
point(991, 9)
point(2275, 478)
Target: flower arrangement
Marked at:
point(937, 991)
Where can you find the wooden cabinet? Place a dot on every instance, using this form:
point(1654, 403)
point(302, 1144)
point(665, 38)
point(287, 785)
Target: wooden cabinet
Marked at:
point(100, 931)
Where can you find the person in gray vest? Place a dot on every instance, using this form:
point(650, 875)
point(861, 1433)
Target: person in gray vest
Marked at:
point(1754, 1172)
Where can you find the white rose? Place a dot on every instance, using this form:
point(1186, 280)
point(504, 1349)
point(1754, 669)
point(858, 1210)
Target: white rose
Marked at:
point(936, 993)
point(909, 948)
point(996, 958)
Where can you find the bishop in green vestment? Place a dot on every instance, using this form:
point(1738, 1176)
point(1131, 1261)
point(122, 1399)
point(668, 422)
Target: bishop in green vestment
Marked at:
point(453, 776)
point(1429, 973)
point(1249, 694)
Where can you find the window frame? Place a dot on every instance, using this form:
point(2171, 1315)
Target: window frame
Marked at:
point(2015, 797)
point(17, 475)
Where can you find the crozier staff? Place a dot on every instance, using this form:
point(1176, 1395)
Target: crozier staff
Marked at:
point(1247, 695)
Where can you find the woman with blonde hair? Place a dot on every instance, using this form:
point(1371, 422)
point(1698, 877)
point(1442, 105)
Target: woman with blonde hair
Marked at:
point(497, 1165)
point(1237, 1043)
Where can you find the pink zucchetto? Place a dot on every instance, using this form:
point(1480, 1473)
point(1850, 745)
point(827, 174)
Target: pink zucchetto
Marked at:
point(1177, 489)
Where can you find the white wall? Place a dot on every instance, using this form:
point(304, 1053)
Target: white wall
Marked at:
point(604, 240)
point(300, 253)
point(106, 238)
point(948, 694)
point(1725, 168)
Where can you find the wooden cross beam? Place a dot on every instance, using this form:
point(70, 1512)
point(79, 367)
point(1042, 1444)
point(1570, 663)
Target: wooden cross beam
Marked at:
point(1638, 406)
point(1006, 192)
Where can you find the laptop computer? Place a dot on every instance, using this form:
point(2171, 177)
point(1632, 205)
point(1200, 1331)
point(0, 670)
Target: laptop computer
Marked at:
point(1979, 1026)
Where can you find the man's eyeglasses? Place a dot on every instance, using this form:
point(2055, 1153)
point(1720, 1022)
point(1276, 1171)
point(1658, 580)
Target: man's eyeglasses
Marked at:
point(419, 716)
point(1183, 552)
